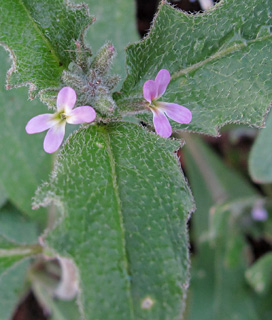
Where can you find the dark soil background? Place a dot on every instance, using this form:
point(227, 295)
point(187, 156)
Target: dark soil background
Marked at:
point(29, 308)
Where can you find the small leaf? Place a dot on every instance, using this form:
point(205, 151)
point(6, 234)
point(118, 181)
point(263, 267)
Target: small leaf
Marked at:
point(259, 274)
point(18, 237)
point(127, 230)
point(260, 159)
point(40, 35)
point(58, 309)
point(12, 288)
point(219, 62)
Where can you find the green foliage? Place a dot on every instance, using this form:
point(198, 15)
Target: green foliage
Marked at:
point(3, 196)
point(218, 287)
point(18, 237)
point(219, 62)
point(260, 160)
point(40, 36)
point(58, 309)
point(127, 230)
point(12, 288)
point(16, 227)
point(23, 162)
point(212, 182)
point(259, 274)
point(116, 21)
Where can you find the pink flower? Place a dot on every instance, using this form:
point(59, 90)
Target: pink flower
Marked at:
point(152, 91)
point(56, 122)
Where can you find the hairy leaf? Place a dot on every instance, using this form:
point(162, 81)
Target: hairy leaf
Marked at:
point(260, 159)
point(219, 61)
point(40, 36)
point(125, 205)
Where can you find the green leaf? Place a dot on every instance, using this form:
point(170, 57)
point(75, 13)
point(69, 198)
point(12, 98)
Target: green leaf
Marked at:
point(125, 206)
point(16, 227)
point(58, 309)
point(260, 159)
point(18, 238)
point(64, 310)
point(115, 22)
point(23, 162)
point(11, 288)
point(259, 274)
point(219, 62)
point(40, 36)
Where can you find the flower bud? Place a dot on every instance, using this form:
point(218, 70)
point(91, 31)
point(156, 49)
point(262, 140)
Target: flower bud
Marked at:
point(103, 60)
point(112, 81)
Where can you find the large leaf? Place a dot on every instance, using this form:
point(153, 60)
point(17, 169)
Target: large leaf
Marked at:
point(115, 22)
point(125, 205)
point(41, 38)
point(260, 159)
point(219, 61)
point(23, 162)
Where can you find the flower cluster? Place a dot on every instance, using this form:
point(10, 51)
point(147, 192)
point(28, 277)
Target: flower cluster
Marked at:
point(152, 91)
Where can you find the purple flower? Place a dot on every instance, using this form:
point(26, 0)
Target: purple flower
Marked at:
point(152, 91)
point(258, 212)
point(56, 122)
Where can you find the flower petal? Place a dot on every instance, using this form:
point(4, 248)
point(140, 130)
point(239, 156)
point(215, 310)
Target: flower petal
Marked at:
point(162, 80)
point(161, 123)
point(176, 112)
point(81, 115)
point(150, 90)
point(54, 138)
point(39, 123)
point(66, 99)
